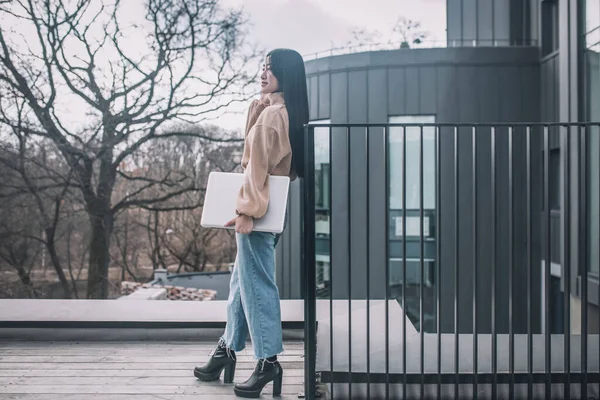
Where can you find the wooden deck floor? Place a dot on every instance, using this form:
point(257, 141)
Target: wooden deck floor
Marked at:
point(128, 370)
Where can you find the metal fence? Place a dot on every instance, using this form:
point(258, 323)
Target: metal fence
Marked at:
point(501, 328)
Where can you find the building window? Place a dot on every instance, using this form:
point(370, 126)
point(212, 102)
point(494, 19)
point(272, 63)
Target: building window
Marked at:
point(322, 208)
point(549, 26)
point(412, 235)
point(591, 87)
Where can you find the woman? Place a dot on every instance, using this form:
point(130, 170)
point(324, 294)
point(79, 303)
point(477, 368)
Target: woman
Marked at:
point(273, 146)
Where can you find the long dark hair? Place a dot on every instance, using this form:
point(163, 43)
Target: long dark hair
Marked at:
point(288, 67)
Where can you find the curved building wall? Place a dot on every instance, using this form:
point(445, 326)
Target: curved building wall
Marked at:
point(453, 85)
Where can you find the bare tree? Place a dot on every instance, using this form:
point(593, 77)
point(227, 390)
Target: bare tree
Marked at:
point(189, 63)
point(408, 33)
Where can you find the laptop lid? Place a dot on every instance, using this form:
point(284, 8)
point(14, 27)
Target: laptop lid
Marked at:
point(221, 197)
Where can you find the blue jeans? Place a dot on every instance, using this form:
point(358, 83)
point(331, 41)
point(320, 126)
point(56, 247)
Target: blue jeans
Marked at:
point(253, 306)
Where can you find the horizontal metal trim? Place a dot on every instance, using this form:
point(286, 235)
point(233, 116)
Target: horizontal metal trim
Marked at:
point(450, 378)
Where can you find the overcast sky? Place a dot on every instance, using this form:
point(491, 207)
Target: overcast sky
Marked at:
point(310, 26)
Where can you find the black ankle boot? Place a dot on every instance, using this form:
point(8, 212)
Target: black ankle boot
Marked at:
point(266, 370)
point(222, 359)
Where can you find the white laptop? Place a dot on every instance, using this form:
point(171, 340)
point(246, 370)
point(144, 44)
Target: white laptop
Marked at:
point(221, 198)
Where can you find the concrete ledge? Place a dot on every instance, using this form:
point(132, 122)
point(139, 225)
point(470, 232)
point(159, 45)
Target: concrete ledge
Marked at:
point(111, 314)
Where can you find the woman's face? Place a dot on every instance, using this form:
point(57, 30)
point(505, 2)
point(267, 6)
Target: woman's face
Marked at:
point(268, 81)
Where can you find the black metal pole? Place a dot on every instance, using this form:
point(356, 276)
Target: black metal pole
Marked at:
point(349, 246)
point(493, 258)
point(438, 257)
point(511, 338)
point(329, 183)
point(547, 265)
point(310, 309)
point(474, 199)
point(529, 265)
point(456, 266)
point(404, 137)
point(386, 158)
point(368, 191)
point(566, 237)
point(421, 263)
point(585, 265)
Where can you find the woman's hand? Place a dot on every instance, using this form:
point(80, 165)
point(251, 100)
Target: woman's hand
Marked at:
point(243, 224)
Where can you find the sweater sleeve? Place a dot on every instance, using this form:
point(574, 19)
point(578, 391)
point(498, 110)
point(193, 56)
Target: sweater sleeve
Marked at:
point(265, 153)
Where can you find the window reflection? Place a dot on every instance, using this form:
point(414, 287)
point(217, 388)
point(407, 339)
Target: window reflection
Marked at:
point(592, 100)
point(412, 236)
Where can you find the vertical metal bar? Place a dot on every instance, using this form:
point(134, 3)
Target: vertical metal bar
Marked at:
point(404, 261)
point(438, 257)
point(566, 237)
point(584, 270)
point(547, 276)
point(529, 265)
point(421, 262)
point(511, 338)
point(331, 344)
point(493, 259)
point(387, 261)
point(456, 269)
point(474, 189)
point(368, 264)
point(310, 310)
point(349, 244)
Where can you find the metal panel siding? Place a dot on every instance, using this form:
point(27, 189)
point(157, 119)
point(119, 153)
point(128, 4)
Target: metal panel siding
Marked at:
point(339, 216)
point(357, 96)
point(484, 25)
point(314, 97)
point(467, 93)
point(489, 95)
point(324, 97)
point(469, 20)
point(377, 214)
point(295, 261)
point(447, 94)
point(427, 90)
point(359, 217)
point(412, 91)
point(502, 21)
point(339, 97)
point(453, 20)
point(377, 96)
point(396, 88)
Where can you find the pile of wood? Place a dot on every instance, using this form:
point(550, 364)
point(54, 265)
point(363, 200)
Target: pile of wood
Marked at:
point(173, 292)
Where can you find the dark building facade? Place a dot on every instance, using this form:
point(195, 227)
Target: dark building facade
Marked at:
point(506, 61)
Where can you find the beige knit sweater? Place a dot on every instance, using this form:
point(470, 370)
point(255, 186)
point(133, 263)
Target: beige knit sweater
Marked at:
point(267, 151)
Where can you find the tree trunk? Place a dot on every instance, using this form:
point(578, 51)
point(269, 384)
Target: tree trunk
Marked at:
point(26, 281)
point(101, 225)
point(50, 245)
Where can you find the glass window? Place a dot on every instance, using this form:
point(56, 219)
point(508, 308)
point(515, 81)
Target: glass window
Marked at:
point(591, 88)
point(592, 110)
point(322, 208)
point(413, 284)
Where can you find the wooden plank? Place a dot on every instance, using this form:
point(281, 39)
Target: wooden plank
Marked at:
point(190, 380)
point(102, 396)
point(134, 389)
point(156, 359)
point(126, 345)
point(131, 366)
point(44, 351)
point(124, 372)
